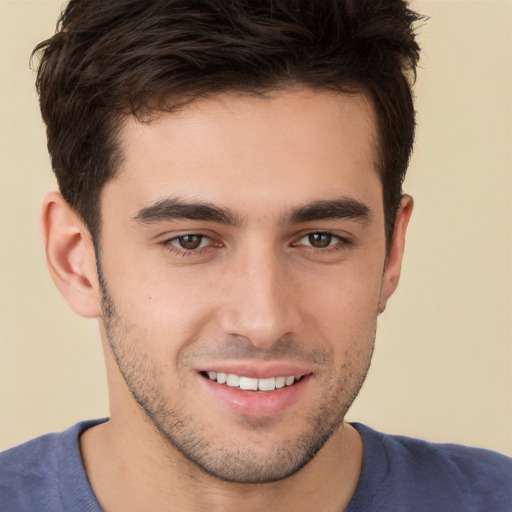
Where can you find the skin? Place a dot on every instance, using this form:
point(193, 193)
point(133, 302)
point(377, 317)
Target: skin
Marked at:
point(274, 283)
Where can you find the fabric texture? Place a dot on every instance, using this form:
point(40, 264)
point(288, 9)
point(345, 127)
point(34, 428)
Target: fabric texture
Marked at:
point(399, 474)
point(47, 475)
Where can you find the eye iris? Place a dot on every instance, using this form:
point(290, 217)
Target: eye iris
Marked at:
point(320, 240)
point(190, 242)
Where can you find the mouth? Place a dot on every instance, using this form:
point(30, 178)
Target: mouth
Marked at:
point(250, 383)
point(256, 391)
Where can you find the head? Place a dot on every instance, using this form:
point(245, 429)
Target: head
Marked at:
point(238, 166)
point(110, 60)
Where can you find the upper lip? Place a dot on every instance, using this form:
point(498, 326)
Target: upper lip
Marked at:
point(257, 371)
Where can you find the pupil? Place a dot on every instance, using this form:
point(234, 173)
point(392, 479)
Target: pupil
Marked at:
point(320, 240)
point(190, 242)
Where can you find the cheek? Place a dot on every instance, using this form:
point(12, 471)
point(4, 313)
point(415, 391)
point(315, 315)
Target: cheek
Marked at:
point(344, 297)
point(160, 309)
point(343, 318)
point(168, 308)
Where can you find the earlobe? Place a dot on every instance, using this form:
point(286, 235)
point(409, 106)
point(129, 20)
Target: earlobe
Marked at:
point(393, 267)
point(70, 255)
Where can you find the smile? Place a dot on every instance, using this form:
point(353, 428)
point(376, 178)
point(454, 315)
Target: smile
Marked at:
point(250, 383)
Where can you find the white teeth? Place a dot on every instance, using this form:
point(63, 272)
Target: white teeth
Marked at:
point(247, 383)
point(267, 384)
point(289, 381)
point(250, 383)
point(280, 382)
point(233, 380)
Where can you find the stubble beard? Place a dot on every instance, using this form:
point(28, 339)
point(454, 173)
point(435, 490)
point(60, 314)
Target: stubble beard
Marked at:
point(229, 462)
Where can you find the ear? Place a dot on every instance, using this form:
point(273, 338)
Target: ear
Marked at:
point(70, 256)
point(393, 266)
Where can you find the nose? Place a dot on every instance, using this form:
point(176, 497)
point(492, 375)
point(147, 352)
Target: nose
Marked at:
point(262, 301)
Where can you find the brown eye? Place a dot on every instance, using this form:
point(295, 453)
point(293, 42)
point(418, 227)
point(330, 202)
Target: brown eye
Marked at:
point(190, 242)
point(319, 240)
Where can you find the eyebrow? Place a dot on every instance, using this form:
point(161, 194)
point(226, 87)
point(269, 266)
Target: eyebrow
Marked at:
point(174, 208)
point(342, 208)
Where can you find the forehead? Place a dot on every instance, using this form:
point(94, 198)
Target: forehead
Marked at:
point(248, 152)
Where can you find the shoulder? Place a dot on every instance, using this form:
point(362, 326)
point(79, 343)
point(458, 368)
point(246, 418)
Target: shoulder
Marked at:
point(473, 469)
point(27, 470)
point(38, 474)
point(437, 477)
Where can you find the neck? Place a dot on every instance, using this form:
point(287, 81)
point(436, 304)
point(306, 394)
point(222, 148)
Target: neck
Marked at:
point(149, 474)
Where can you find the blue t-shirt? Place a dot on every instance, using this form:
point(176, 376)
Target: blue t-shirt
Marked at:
point(399, 474)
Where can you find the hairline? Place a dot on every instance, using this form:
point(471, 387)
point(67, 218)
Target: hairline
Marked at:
point(176, 104)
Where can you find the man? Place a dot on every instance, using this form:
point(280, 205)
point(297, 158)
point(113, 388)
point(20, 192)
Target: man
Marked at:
point(230, 208)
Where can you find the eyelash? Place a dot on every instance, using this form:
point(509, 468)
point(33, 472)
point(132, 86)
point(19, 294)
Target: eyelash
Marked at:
point(169, 245)
point(340, 244)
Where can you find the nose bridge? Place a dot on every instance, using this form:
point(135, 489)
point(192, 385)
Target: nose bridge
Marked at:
point(260, 305)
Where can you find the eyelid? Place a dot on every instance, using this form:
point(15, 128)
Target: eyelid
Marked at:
point(168, 243)
point(340, 242)
point(176, 239)
point(167, 236)
point(337, 238)
point(334, 233)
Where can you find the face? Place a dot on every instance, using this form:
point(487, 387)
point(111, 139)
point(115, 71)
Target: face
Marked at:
point(242, 253)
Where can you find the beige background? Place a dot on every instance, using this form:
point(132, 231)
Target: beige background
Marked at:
point(442, 368)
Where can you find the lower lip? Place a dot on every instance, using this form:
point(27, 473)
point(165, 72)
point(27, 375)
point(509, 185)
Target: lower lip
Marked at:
point(257, 403)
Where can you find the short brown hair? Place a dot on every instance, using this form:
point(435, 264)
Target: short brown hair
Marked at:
point(121, 57)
